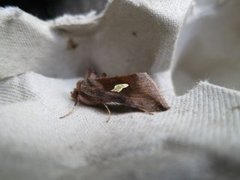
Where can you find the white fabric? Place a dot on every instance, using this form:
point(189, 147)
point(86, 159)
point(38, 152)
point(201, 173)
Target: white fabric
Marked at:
point(208, 47)
point(177, 42)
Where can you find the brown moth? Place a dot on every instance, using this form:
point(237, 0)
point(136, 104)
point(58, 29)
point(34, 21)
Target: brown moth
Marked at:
point(137, 90)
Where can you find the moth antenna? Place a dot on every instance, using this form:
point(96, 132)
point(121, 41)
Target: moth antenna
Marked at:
point(109, 113)
point(70, 112)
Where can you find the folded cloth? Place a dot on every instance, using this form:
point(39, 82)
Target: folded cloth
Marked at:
point(41, 61)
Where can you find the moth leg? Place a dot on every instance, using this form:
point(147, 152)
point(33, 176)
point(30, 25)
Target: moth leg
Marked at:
point(70, 112)
point(109, 113)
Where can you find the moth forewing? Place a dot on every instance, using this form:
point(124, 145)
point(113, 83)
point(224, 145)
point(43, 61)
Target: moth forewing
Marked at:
point(139, 91)
point(154, 91)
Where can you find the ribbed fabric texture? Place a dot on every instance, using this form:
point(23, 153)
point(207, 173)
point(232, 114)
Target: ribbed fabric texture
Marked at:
point(207, 117)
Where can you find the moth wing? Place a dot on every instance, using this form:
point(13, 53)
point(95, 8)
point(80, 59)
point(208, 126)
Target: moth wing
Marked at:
point(142, 92)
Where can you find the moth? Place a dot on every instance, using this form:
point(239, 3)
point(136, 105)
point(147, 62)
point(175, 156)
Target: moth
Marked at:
point(137, 91)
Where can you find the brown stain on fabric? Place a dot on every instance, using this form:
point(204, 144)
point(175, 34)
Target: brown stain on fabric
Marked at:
point(134, 33)
point(71, 44)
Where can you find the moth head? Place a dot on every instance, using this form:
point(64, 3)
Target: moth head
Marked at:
point(77, 90)
point(74, 93)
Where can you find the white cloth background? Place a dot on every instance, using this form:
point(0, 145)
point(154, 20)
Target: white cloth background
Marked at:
point(178, 42)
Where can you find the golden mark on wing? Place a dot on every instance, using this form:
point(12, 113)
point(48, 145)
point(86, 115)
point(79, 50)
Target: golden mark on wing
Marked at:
point(119, 87)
